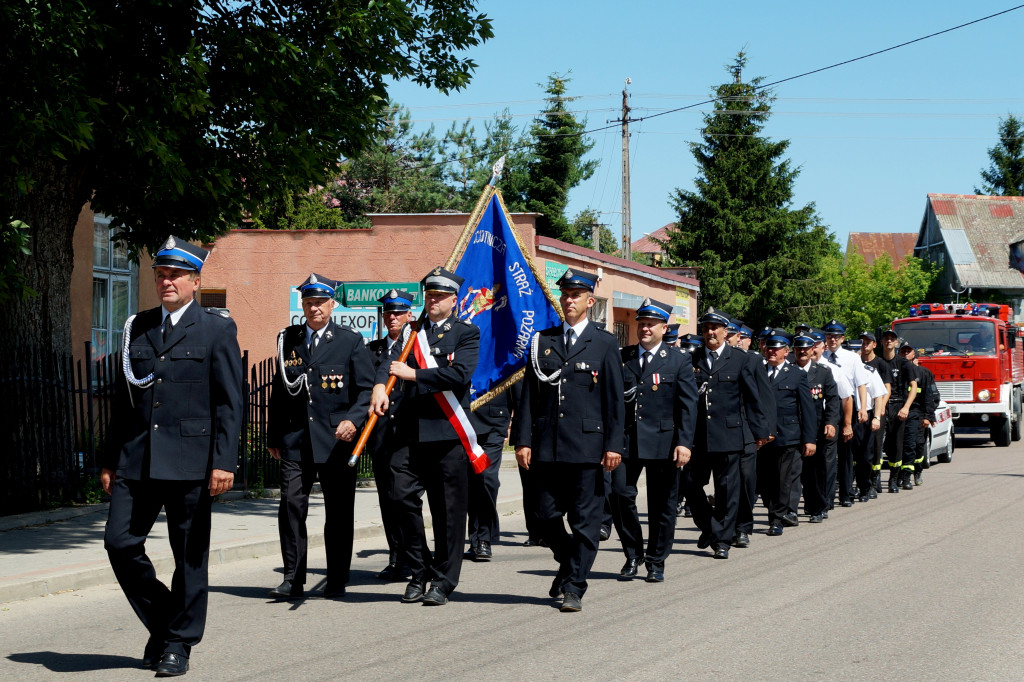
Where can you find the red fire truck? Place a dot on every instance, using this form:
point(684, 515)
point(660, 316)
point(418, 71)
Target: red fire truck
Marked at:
point(976, 356)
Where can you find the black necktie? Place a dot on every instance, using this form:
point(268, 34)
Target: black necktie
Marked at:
point(646, 359)
point(314, 339)
point(771, 374)
point(569, 335)
point(714, 356)
point(168, 328)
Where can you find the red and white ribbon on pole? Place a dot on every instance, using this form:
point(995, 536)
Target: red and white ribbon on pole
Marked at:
point(457, 417)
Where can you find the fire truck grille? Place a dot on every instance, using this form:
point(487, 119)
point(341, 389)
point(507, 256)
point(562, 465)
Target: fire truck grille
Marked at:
point(955, 391)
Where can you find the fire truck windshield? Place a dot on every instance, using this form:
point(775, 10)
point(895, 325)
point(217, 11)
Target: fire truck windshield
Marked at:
point(939, 337)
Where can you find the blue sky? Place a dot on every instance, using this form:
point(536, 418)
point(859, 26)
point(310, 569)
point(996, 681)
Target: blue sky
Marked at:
point(872, 138)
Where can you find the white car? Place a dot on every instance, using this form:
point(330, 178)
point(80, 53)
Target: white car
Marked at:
point(940, 435)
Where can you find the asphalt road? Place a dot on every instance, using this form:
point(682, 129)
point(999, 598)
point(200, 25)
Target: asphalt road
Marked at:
point(923, 585)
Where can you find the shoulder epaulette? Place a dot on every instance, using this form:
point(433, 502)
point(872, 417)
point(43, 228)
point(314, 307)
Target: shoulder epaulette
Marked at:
point(220, 312)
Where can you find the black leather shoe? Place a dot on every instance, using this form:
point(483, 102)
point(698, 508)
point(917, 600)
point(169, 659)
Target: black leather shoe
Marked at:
point(334, 591)
point(172, 665)
point(775, 529)
point(917, 478)
point(435, 596)
point(741, 540)
point(894, 486)
point(393, 573)
point(863, 498)
point(534, 542)
point(629, 569)
point(846, 503)
point(790, 520)
point(655, 575)
point(908, 484)
point(824, 515)
point(855, 492)
point(413, 592)
point(470, 553)
point(606, 532)
point(872, 493)
point(286, 590)
point(555, 592)
point(687, 513)
point(704, 541)
point(816, 518)
point(721, 552)
point(571, 602)
point(483, 551)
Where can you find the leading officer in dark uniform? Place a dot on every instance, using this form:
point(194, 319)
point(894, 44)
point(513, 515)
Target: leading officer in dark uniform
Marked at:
point(661, 415)
point(730, 417)
point(319, 400)
point(430, 457)
point(569, 429)
point(173, 446)
point(396, 311)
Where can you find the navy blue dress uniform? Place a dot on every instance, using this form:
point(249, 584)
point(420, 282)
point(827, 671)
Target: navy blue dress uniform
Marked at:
point(571, 413)
point(748, 460)
point(730, 418)
point(323, 378)
point(429, 457)
point(382, 442)
point(179, 408)
point(827, 408)
point(661, 415)
point(490, 421)
point(779, 463)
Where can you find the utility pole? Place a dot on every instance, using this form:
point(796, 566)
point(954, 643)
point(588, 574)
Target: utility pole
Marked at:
point(627, 238)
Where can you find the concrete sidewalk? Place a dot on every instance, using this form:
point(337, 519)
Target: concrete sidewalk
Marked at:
point(63, 550)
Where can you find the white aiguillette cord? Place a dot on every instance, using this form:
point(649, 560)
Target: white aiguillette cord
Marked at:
point(126, 364)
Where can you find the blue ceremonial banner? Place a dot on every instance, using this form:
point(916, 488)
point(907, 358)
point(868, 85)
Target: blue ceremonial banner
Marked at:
point(502, 296)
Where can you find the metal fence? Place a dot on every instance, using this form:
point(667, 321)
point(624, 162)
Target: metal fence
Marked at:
point(56, 412)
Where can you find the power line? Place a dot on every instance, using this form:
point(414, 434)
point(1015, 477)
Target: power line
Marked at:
point(755, 88)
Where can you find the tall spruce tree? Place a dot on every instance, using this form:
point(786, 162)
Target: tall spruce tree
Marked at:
point(1005, 174)
point(557, 164)
point(759, 256)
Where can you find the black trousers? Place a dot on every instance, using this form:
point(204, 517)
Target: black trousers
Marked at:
point(748, 490)
point(844, 466)
point(175, 617)
point(862, 452)
point(338, 483)
point(719, 523)
point(778, 479)
point(385, 482)
point(832, 469)
point(437, 468)
point(895, 435)
point(531, 503)
point(483, 497)
point(579, 492)
point(814, 477)
point(662, 493)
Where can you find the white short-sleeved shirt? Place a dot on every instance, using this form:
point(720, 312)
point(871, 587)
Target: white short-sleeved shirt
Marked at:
point(843, 385)
point(851, 365)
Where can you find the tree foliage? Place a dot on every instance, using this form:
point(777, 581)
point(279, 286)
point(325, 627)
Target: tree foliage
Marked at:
point(869, 298)
point(179, 115)
point(1005, 174)
point(760, 256)
point(557, 164)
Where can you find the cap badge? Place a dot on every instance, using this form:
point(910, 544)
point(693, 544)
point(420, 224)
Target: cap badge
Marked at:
point(170, 243)
point(312, 279)
point(393, 293)
point(647, 301)
point(569, 274)
point(437, 271)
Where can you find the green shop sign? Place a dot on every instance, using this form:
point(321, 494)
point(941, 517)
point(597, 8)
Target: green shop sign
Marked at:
point(365, 294)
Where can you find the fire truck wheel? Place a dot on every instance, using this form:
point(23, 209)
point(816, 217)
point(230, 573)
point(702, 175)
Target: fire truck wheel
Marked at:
point(1000, 432)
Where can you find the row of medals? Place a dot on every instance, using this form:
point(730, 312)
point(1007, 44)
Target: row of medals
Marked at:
point(335, 381)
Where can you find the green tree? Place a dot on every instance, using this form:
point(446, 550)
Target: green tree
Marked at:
point(179, 115)
point(557, 163)
point(868, 298)
point(1005, 174)
point(760, 257)
point(582, 230)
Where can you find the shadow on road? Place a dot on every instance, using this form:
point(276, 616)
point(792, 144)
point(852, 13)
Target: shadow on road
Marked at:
point(75, 663)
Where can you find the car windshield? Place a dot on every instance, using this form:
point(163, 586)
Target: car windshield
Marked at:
point(949, 337)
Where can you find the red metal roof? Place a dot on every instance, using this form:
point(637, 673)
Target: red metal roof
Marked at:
point(871, 245)
point(646, 244)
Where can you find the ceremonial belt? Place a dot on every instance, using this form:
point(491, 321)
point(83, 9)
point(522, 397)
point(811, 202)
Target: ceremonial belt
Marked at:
point(457, 417)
